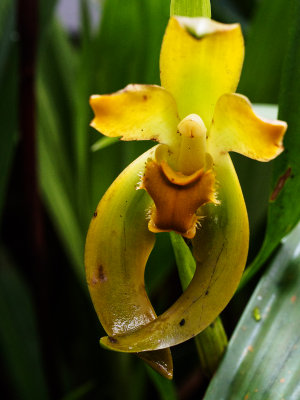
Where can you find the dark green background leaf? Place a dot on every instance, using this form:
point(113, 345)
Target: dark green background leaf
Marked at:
point(265, 49)
point(8, 90)
point(262, 361)
point(19, 341)
point(284, 205)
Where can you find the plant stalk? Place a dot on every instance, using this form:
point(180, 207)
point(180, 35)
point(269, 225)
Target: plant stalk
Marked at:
point(212, 342)
point(191, 8)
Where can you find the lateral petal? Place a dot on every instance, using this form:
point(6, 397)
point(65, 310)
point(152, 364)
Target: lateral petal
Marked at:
point(220, 249)
point(237, 128)
point(200, 60)
point(138, 112)
point(117, 248)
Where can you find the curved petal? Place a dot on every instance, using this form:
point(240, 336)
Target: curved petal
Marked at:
point(200, 60)
point(220, 249)
point(117, 248)
point(138, 112)
point(237, 128)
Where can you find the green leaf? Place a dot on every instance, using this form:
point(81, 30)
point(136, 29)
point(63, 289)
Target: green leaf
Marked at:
point(19, 341)
point(56, 181)
point(265, 47)
point(56, 99)
point(284, 206)
point(194, 8)
point(212, 342)
point(61, 207)
point(186, 263)
point(263, 357)
point(103, 142)
point(46, 9)
point(164, 387)
point(8, 88)
point(80, 392)
point(83, 113)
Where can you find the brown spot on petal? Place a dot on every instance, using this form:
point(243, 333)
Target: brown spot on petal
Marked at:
point(280, 184)
point(98, 276)
point(102, 276)
point(112, 339)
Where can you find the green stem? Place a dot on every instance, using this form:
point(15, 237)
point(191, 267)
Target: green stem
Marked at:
point(190, 8)
point(211, 345)
point(212, 342)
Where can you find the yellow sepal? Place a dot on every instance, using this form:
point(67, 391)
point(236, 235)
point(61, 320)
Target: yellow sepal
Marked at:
point(237, 128)
point(200, 60)
point(220, 250)
point(138, 112)
point(118, 245)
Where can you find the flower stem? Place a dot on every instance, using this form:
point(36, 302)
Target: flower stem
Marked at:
point(212, 342)
point(191, 8)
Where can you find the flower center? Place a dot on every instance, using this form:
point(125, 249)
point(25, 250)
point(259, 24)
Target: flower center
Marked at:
point(191, 151)
point(180, 180)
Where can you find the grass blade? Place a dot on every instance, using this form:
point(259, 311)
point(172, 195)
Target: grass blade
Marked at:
point(284, 206)
point(263, 357)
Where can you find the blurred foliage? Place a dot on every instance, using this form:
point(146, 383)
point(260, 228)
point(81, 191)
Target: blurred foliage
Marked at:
point(122, 48)
point(262, 360)
point(284, 208)
point(18, 334)
point(8, 87)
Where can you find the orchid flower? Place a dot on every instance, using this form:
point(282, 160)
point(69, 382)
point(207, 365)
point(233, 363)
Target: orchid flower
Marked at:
point(186, 184)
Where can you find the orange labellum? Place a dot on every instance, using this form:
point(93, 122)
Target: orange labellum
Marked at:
point(177, 197)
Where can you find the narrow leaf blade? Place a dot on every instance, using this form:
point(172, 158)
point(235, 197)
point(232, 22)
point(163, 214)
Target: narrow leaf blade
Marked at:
point(284, 206)
point(263, 356)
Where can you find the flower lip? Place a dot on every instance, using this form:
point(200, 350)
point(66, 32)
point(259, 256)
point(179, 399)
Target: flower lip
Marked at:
point(177, 197)
point(178, 178)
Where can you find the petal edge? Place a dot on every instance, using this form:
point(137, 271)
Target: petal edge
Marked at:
point(237, 128)
point(198, 70)
point(137, 112)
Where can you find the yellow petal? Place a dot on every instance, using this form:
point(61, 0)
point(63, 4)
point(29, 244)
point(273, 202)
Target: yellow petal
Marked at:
point(237, 128)
point(200, 60)
point(177, 197)
point(138, 112)
point(220, 250)
point(117, 248)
